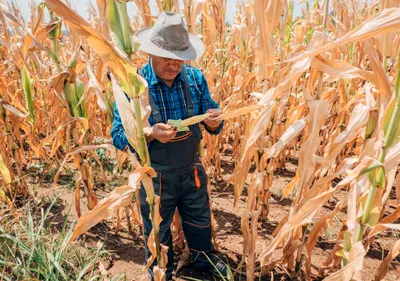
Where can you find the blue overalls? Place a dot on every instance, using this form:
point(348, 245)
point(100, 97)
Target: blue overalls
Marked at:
point(181, 183)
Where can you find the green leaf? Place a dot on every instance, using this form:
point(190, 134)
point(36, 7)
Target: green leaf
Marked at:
point(377, 164)
point(138, 85)
point(114, 22)
point(125, 27)
point(346, 241)
point(56, 265)
point(342, 255)
point(168, 5)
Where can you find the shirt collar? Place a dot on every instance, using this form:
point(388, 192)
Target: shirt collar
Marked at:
point(153, 78)
point(180, 75)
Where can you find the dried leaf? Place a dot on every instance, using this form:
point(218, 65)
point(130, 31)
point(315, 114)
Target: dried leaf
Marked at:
point(358, 118)
point(4, 171)
point(384, 266)
point(253, 132)
point(118, 198)
point(113, 58)
point(355, 263)
point(287, 136)
point(386, 21)
point(315, 119)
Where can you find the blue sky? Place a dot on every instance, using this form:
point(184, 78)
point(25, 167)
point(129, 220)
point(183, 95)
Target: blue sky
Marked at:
point(82, 6)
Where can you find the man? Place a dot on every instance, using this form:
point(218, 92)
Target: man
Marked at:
point(176, 91)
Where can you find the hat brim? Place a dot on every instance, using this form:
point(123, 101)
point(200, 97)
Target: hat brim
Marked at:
point(195, 50)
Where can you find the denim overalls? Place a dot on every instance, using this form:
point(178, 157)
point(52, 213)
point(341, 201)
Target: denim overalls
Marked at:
point(181, 183)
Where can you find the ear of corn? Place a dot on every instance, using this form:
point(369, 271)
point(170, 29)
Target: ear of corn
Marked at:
point(377, 176)
point(74, 58)
point(28, 91)
point(392, 133)
point(56, 32)
point(79, 100)
point(195, 119)
point(183, 125)
point(178, 125)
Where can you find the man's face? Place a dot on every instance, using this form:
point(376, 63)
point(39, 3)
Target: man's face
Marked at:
point(166, 69)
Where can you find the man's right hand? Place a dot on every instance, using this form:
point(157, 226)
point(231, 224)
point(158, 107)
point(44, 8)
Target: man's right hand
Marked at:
point(161, 132)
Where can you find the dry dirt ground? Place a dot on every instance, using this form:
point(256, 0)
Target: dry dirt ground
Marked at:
point(127, 250)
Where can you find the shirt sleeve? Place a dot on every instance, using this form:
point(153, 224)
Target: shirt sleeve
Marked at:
point(118, 133)
point(206, 103)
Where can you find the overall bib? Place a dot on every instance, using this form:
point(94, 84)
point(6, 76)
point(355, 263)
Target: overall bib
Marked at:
point(181, 183)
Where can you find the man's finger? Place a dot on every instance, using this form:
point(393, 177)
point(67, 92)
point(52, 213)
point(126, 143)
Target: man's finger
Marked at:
point(170, 133)
point(165, 126)
point(211, 119)
point(214, 112)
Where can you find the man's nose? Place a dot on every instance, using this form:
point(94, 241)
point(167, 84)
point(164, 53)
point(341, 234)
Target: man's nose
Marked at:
point(173, 63)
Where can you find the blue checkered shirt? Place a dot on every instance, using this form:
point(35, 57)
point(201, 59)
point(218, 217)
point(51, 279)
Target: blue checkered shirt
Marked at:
point(170, 101)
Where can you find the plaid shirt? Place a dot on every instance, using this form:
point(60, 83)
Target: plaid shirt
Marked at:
point(170, 101)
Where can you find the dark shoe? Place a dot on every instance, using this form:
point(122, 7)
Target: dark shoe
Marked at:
point(220, 269)
point(210, 263)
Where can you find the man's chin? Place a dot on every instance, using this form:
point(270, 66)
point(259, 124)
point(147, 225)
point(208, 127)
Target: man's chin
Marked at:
point(170, 76)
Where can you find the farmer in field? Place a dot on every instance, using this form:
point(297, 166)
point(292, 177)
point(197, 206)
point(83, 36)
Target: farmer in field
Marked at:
point(176, 91)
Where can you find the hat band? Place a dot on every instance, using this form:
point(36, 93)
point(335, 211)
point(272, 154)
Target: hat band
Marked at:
point(177, 48)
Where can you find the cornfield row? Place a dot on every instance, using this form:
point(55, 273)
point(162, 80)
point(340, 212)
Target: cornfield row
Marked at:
point(322, 89)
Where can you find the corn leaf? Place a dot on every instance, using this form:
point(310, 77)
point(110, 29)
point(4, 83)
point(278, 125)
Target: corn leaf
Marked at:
point(118, 198)
point(113, 58)
point(355, 264)
point(115, 24)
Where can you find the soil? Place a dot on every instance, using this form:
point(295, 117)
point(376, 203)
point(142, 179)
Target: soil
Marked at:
point(127, 250)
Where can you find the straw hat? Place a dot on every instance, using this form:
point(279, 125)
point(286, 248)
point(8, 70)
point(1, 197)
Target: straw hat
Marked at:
point(169, 38)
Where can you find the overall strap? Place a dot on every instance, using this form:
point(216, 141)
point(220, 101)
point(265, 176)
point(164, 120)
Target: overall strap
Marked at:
point(189, 100)
point(154, 110)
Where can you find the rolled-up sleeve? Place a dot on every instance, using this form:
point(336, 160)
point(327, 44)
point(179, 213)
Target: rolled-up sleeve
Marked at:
point(118, 133)
point(206, 103)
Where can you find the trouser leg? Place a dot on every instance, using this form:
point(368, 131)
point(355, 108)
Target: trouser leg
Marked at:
point(162, 188)
point(195, 213)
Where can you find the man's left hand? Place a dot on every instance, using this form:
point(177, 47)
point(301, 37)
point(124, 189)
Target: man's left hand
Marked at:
point(211, 121)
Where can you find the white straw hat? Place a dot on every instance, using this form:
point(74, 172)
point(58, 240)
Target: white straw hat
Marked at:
point(169, 38)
